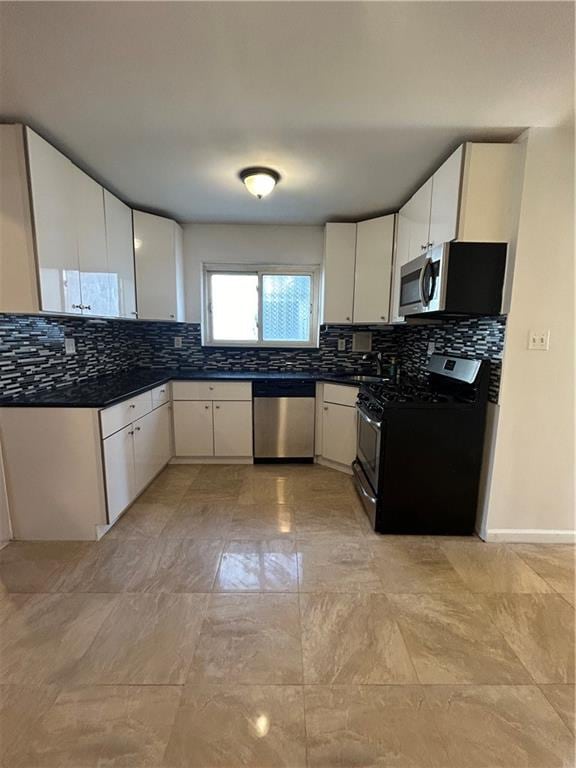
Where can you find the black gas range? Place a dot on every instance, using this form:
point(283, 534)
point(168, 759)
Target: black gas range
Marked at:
point(419, 449)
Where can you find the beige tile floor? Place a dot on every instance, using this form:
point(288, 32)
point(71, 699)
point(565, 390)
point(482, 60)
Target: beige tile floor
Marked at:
point(247, 617)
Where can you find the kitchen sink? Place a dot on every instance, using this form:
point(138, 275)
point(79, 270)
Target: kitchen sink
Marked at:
point(369, 379)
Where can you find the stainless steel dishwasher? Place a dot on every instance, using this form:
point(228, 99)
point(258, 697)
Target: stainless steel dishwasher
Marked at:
point(283, 420)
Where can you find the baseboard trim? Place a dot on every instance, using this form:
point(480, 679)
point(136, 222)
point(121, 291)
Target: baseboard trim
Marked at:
point(529, 535)
point(212, 460)
point(333, 465)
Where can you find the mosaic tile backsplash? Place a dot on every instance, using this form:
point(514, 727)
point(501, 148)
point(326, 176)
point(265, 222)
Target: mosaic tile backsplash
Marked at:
point(32, 356)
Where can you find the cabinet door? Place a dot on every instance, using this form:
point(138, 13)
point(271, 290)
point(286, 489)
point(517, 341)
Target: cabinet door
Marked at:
point(96, 283)
point(401, 256)
point(120, 252)
point(193, 428)
point(339, 259)
point(51, 182)
point(445, 199)
point(157, 276)
point(339, 433)
point(374, 245)
point(152, 445)
point(232, 429)
point(417, 211)
point(120, 473)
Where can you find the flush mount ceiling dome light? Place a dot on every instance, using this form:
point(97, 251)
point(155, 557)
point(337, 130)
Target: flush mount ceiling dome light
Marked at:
point(259, 181)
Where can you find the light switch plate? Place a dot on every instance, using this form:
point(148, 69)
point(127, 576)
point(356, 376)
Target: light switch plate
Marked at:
point(539, 341)
point(70, 346)
point(177, 342)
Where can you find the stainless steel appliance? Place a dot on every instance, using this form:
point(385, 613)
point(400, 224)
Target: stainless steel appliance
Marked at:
point(284, 414)
point(419, 449)
point(454, 279)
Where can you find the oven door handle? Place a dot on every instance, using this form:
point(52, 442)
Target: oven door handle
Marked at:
point(361, 486)
point(377, 424)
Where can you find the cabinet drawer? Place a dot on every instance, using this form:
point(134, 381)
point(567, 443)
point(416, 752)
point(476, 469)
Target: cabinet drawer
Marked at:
point(118, 416)
point(160, 395)
point(212, 390)
point(340, 394)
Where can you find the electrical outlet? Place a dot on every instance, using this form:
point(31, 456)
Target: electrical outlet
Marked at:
point(177, 342)
point(539, 341)
point(431, 347)
point(70, 346)
point(341, 345)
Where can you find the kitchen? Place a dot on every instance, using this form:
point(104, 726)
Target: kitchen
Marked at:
point(286, 420)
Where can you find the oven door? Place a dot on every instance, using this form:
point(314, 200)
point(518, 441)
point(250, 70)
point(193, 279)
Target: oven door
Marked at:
point(368, 447)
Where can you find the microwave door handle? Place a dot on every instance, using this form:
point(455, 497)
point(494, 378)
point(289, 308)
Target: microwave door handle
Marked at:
point(421, 284)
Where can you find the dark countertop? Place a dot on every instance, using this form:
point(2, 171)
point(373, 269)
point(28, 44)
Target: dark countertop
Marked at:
point(104, 391)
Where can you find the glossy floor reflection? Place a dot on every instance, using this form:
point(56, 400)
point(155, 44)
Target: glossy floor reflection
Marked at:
point(247, 617)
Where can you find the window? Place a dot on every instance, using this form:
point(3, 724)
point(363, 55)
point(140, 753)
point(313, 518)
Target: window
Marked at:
point(269, 306)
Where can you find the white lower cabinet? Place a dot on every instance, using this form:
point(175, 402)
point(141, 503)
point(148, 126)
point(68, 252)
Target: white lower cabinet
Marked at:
point(339, 433)
point(193, 428)
point(336, 425)
point(232, 428)
point(120, 472)
point(133, 456)
point(213, 428)
point(212, 419)
point(152, 445)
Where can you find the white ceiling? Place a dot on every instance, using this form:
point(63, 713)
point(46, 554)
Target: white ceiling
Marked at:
point(354, 103)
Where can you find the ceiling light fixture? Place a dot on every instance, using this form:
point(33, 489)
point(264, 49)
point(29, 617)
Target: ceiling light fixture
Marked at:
point(259, 181)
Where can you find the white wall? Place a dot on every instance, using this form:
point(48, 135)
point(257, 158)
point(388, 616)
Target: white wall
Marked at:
point(244, 244)
point(5, 527)
point(531, 496)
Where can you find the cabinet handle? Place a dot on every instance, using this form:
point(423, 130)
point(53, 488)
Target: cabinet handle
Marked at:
point(76, 306)
point(382, 317)
point(217, 407)
point(210, 388)
point(423, 247)
point(347, 318)
point(325, 407)
point(134, 313)
point(131, 433)
point(137, 429)
point(87, 306)
point(132, 405)
point(206, 407)
point(172, 316)
point(162, 391)
point(430, 245)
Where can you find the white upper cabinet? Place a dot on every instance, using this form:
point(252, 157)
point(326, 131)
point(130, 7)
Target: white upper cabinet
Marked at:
point(358, 271)
point(96, 283)
point(401, 256)
point(83, 234)
point(417, 213)
point(445, 199)
point(159, 278)
point(54, 212)
point(373, 272)
point(120, 252)
point(489, 193)
point(471, 197)
point(339, 260)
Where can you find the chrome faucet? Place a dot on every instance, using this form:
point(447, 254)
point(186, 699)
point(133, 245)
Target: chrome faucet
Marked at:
point(377, 357)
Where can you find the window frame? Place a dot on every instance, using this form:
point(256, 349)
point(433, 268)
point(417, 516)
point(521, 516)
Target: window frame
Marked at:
point(260, 270)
